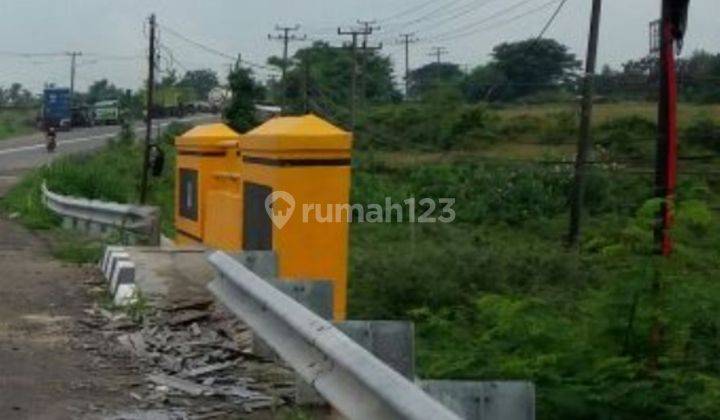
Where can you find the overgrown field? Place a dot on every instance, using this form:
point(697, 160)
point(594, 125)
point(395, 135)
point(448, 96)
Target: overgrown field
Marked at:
point(610, 332)
point(16, 123)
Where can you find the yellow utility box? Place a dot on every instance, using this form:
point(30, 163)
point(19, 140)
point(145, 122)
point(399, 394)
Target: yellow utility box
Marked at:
point(283, 187)
point(296, 190)
point(204, 154)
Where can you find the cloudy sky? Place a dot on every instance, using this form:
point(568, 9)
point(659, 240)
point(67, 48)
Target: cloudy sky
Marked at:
point(111, 35)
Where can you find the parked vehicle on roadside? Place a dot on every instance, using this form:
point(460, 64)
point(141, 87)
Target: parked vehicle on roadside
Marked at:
point(56, 110)
point(106, 112)
point(83, 116)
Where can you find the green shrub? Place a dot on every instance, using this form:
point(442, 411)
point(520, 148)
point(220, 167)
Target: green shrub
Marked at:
point(627, 137)
point(426, 127)
point(25, 201)
point(473, 124)
point(559, 127)
point(521, 125)
point(554, 96)
point(704, 132)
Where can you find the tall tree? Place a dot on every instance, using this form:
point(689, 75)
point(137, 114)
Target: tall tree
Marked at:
point(483, 83)
point(102, 90)
point(200, 81)
point(534, 65)
point(434, 76)
point(170, 79)
point(14, 93)
point(321, 75)
point(240, 114)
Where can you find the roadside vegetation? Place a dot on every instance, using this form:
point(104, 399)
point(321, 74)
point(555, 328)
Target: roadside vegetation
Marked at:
point(18, 110)
point(610, 331)
point(16, 122)
point(113, 174)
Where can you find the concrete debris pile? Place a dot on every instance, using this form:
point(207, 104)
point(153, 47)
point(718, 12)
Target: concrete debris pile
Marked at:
point(196, 359)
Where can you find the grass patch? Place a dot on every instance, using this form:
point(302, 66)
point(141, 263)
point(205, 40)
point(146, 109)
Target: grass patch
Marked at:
point(73, 248)
point(112, 174)
point(15, 123)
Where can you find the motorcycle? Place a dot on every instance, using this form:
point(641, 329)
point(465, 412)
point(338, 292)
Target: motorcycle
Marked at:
point(51, 141)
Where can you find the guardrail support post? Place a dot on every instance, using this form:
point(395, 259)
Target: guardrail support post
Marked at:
point(502, 400)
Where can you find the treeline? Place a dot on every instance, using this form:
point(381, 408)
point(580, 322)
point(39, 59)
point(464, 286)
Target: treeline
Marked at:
point(530, 71)
point(16, 96)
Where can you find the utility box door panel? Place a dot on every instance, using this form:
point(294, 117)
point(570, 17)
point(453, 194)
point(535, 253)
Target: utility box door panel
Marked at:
point(188, 204)
point(257, 224)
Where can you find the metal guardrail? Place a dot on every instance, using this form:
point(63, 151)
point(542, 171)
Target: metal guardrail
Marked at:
point(351, 379)
point(98, 217)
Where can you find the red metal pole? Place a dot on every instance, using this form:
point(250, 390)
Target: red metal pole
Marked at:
point(666, 176)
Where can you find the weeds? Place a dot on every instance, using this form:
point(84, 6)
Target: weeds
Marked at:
point(73, 248)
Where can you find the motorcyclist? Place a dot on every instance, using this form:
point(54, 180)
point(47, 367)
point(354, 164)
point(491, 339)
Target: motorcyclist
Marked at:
point(51, 139)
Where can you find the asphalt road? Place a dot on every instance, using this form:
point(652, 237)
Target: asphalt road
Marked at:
point(28, 152)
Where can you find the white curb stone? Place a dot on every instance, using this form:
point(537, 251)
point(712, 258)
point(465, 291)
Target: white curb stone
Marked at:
point(126, 295)
point(124, 273)
point(108, 254)
point(115, 258)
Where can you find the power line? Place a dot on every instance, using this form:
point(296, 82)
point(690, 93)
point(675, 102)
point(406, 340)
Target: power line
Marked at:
point(212, 50)
point(460, 13)
point(408, 11)
point(440, 11)
point(31, 55)
point(203, 47)
point(551, 20)
point(472, 28)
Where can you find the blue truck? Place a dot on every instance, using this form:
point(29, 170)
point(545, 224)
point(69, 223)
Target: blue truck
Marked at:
point(56, 108)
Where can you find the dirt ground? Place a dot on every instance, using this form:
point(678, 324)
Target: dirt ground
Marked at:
point(46, 368)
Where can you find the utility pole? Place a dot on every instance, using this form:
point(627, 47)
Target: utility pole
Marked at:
point(368, 26)
point(584, 141)
point(73, 64)
point(438, 52)
point(354, 34)
point(149, 115)
point(407, 39)
point(672, 29)
point(306, 87)
point(286, 37)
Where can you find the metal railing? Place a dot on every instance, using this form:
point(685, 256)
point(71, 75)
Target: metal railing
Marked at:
point(137, 223)
point(350, 378)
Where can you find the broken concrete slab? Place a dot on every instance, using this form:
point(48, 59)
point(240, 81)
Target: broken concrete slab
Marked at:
point(179, 384)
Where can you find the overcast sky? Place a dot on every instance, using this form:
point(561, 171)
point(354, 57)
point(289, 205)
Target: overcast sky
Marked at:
point(110, 33)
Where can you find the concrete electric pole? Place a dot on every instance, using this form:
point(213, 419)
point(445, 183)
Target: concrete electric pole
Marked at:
point(407, 39)
point(73, 65)
point(438, 52)
point(149, 112)
point(585, 141)
point(369, 27)
point(354, 34)
point(285, 37)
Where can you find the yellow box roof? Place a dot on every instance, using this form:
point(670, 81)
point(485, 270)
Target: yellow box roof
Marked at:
point(211, 135)
point(308, 132)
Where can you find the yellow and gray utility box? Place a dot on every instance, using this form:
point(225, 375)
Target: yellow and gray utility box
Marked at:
point(296, 180)
point(282, 187)
point(202, 152)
